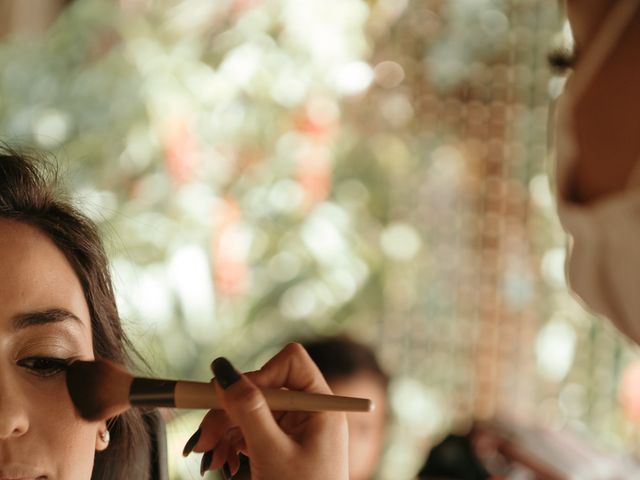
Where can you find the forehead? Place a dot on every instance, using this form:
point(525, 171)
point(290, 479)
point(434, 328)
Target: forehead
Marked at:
point(360, 385)
point(35, 274)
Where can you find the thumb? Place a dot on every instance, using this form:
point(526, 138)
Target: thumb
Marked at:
point(246, 406)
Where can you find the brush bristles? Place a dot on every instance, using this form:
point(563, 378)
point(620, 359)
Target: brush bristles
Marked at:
point(99, 390)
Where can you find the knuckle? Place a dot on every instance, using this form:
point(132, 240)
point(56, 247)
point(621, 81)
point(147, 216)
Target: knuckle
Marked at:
point(295, 349)
point(249, 398)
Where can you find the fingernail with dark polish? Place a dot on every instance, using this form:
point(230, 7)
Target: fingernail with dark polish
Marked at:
point(224, 372)
point(206, 461)
point(226, 472)
point(188, 447)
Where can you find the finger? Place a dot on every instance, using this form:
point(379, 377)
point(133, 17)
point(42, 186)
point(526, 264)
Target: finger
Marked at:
point(191, 443)
point(291, 368)
point(294, 422)
point(233, 465)
point(236, 441)
point(246, 407)
point(206, 461)
point(220, 455)
point(213, 427)
point(225, 449)
point(294, 369)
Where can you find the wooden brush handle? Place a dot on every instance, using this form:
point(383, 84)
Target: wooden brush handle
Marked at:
point(203, 395)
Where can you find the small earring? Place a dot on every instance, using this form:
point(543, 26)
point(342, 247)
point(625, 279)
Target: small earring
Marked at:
point(105, 436)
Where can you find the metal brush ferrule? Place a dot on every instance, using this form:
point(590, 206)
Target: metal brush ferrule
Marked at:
point(152, 393)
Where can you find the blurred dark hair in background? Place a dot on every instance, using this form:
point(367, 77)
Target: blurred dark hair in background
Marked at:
point(340, 357)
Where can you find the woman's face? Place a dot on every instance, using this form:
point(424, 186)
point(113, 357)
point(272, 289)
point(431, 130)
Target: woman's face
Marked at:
point(44, 324)
point(366, 430)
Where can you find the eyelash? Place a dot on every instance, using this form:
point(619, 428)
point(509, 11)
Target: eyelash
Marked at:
point(44, 366)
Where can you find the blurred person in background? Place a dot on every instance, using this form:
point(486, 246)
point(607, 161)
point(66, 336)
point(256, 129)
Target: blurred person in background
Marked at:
point(352, 369)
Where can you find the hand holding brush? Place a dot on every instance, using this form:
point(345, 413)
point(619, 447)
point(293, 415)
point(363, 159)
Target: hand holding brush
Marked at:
point(102, 390)
point(287, 444)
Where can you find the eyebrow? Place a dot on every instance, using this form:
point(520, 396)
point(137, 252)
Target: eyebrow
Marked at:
point(43, 317)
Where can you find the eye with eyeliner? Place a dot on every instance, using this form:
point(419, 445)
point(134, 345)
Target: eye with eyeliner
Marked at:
point(44, 366)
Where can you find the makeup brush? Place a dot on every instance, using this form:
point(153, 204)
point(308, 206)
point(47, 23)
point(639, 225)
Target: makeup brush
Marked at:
point(102, 390)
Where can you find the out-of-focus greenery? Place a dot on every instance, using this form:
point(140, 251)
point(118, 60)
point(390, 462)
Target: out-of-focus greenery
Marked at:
point(266, 170)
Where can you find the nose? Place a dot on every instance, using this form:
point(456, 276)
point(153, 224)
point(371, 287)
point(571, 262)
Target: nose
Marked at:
point(14, 420)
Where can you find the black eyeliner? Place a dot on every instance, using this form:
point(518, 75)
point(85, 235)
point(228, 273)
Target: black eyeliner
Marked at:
point(57, 365)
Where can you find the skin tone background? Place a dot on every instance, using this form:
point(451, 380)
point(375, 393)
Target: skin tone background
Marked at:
point(41, 438)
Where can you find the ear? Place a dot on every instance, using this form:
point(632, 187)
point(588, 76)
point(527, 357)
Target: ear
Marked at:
point(102, 437)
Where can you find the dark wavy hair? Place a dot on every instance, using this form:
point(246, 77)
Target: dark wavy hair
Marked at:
point(30, 192)
point(341, 357)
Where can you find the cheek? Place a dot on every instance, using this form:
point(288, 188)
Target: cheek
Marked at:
point(365, 442)
point(68, 440)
